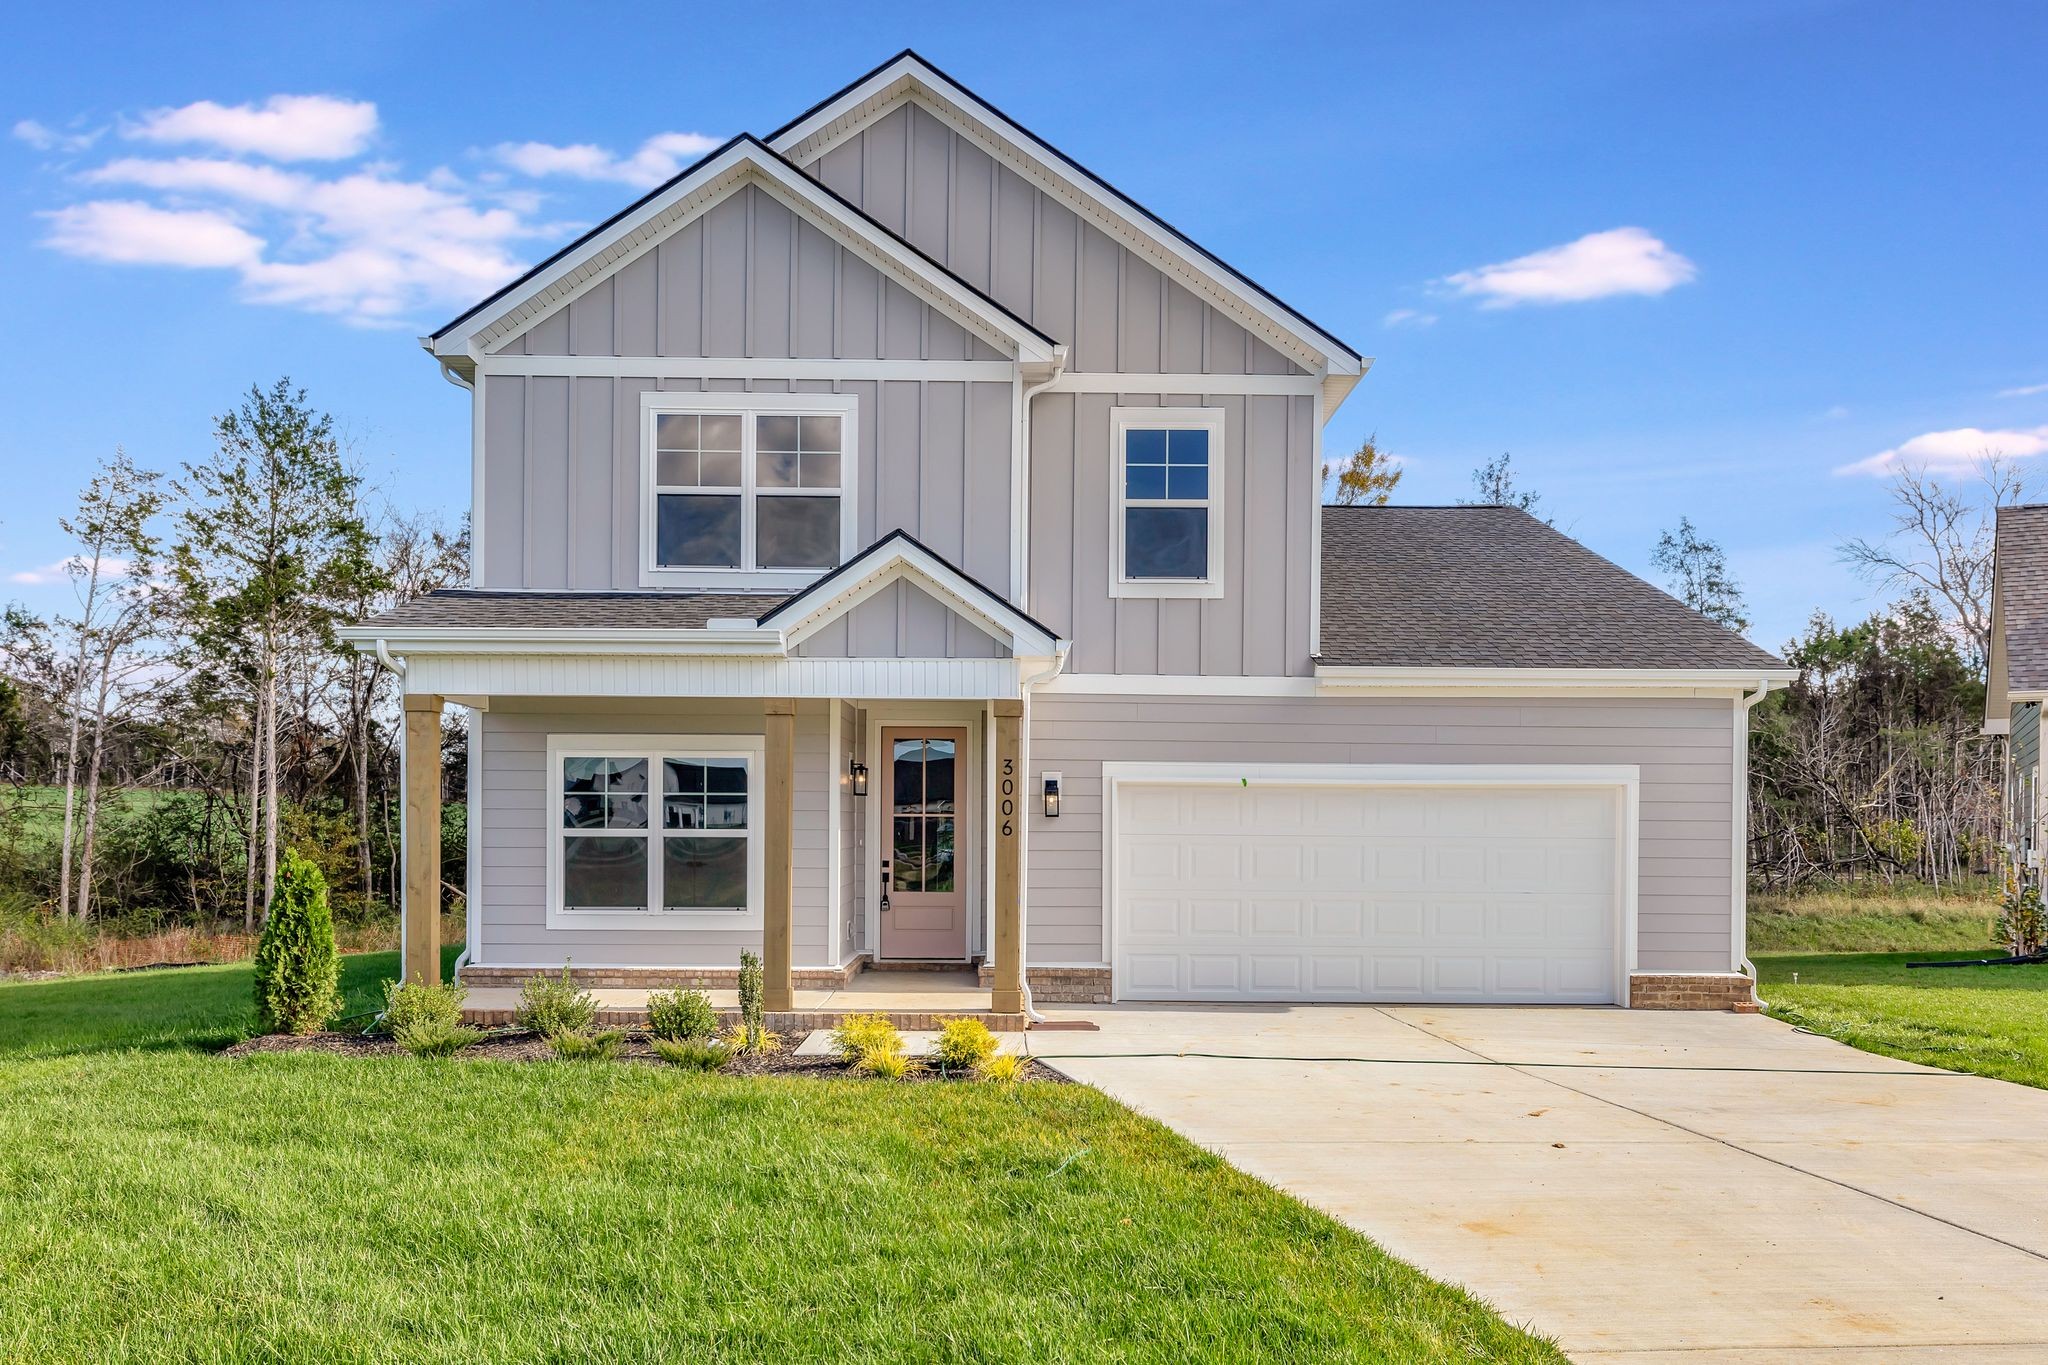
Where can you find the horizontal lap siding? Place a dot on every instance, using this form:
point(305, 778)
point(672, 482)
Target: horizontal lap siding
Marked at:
point(518, 820)
point(1684, 749)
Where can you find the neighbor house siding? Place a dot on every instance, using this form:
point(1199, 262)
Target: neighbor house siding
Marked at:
point(2026, 736)
point(1684, 749)
point(520, 810)
point(1033, 254)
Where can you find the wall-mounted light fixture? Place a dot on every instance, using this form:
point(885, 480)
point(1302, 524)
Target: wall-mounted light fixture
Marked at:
point(1052, 796)
point(860, 779)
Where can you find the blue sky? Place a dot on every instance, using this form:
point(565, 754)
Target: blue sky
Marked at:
point(1769, 241)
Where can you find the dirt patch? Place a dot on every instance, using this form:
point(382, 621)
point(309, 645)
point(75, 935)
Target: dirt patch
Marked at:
point(510, 1045)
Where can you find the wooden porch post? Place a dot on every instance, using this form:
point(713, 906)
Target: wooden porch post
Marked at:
point(778, 813)
point(421, 960)
point(1007, 993)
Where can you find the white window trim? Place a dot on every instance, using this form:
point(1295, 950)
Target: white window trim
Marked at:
point(750, 406)
point(1122, 420)
point(655, 748)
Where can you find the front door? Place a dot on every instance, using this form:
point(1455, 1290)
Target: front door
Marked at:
point(924, 888)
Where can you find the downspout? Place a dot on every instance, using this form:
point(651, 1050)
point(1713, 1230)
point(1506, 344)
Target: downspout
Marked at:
point(1024, 689)
point(1741, 856)
point(1020, 491)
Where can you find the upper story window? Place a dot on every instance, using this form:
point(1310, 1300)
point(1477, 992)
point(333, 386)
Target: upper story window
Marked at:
point(746, 489)
point(1169, 501)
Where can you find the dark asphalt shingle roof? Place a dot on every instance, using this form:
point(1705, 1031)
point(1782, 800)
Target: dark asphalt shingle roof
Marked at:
point(482, 607)
point(2022, 564)
point(1493, 587)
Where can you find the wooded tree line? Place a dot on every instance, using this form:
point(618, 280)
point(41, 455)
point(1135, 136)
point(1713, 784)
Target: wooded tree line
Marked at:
point(1872, 765)
point(192, 712)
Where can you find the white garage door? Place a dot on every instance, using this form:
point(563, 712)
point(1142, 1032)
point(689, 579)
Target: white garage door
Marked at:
point(1498, 894)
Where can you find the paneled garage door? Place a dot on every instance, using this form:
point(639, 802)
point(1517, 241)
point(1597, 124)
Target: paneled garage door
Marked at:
point(1502, 894)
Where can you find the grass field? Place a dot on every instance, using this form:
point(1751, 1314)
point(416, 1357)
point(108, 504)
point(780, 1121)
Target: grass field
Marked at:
point(1872, 920)
point(159, 1202)
point(1989, 1020)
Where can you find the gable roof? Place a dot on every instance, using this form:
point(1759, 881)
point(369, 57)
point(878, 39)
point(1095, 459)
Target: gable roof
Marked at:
point(1493, 587)
point(902, 555)
point(2019, 605)
point(694, 191)
point(909, 76)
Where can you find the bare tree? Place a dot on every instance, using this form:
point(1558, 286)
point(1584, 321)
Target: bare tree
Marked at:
point(1368, 476)
point(1494, 482)
point(1940, 544)
point(1696, 571)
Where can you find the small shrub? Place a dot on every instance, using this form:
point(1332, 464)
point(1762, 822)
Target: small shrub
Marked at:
point(416, 1003)
point(2022, 921)
point(587, 1047)
point(692, 1054)
point(433, 1037)
point(861, 1033)
point(963, 1045)
point(1001, 1068)
point(296, 965)
point(890, 1066)
point(740, 1038)
point(681, 1015)
point(750, 992)
point(555, 1006)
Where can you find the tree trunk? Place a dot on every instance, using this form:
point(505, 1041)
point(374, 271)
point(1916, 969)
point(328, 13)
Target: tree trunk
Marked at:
point(254, 832)
point(270, 796)
point(92, 811)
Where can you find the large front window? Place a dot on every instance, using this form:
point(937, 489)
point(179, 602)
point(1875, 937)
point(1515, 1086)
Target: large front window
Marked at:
point(1168, 501)
point(654, 827)
point(748, 484)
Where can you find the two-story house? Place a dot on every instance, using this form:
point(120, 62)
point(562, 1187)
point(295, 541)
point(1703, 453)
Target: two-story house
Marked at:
point(893, 545)
point(2016, 681)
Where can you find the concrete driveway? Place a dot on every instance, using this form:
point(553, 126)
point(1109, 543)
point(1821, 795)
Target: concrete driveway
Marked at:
point(1641, 1186)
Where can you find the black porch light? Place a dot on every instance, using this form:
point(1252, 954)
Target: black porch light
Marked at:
point(1052, 796)
point(859, 772)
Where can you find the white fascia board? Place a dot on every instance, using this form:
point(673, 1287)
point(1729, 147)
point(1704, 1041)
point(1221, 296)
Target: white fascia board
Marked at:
point(907, 76)
point(1336, 678)
point(721, 642)
point(711, 183)
point(990, 613)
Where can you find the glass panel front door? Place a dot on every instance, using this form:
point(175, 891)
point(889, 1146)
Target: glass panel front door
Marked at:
point(924, 911)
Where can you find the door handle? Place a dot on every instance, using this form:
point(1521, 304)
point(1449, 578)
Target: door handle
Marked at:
point(885, 885)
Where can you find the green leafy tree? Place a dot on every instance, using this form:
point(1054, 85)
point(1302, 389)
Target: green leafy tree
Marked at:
point(297, 968)
point(270, 541)
point(1696, 571)
point(1368, 476)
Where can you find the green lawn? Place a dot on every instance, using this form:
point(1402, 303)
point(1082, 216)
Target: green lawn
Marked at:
point(1898, 919)
point(159, 1202)
point(1989, 1020)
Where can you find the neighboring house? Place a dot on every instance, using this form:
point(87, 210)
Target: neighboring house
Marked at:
point(892, 544)
point(2017, 674)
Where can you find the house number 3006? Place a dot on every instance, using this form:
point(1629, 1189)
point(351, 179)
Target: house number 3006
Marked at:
point(1009, 789)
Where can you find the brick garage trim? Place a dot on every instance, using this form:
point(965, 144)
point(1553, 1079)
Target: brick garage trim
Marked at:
point(660, 978)
point(1061, 985)
point(1692, 991)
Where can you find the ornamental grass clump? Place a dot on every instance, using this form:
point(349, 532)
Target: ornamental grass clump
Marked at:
point(740, 1038)
point(297, 969)
point(1002, 1068)
point(587, 1047)
point(963, 1044)
point(858, 1034)
point(692, 1054)
point(555, 1006)
point(880, 1061)
point(681, 1016)
point(426, 1020)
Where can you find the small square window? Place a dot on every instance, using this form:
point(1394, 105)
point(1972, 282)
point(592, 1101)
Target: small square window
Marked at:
point(1167, 515)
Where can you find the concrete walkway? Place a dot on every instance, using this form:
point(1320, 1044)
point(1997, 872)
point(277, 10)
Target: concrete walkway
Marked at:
point(1641, 1186)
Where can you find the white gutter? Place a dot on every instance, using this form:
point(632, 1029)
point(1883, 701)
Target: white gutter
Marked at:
point(1740, 856)
point(570, 640)
point(1020, 473)
point(1340, 677)
point(1025, 685)
point(384, 657)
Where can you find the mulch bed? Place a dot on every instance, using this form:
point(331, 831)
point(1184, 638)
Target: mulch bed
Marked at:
point(511, 1045)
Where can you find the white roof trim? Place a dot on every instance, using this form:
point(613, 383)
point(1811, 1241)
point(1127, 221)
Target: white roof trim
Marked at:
point(1336, 678)
point(898, 558)
point(909, 77)
point(723, 640)
point(746, 161)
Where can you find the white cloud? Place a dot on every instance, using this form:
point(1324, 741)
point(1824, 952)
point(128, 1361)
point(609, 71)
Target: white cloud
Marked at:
point(129, 233)
point(44, 138)
point(1408, 317)
point(1953, 452)
point(2023, 391)
point(655, 160)
point(1835, 413)
point(282, 128)
point(1624, 260)
point(62, 571)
